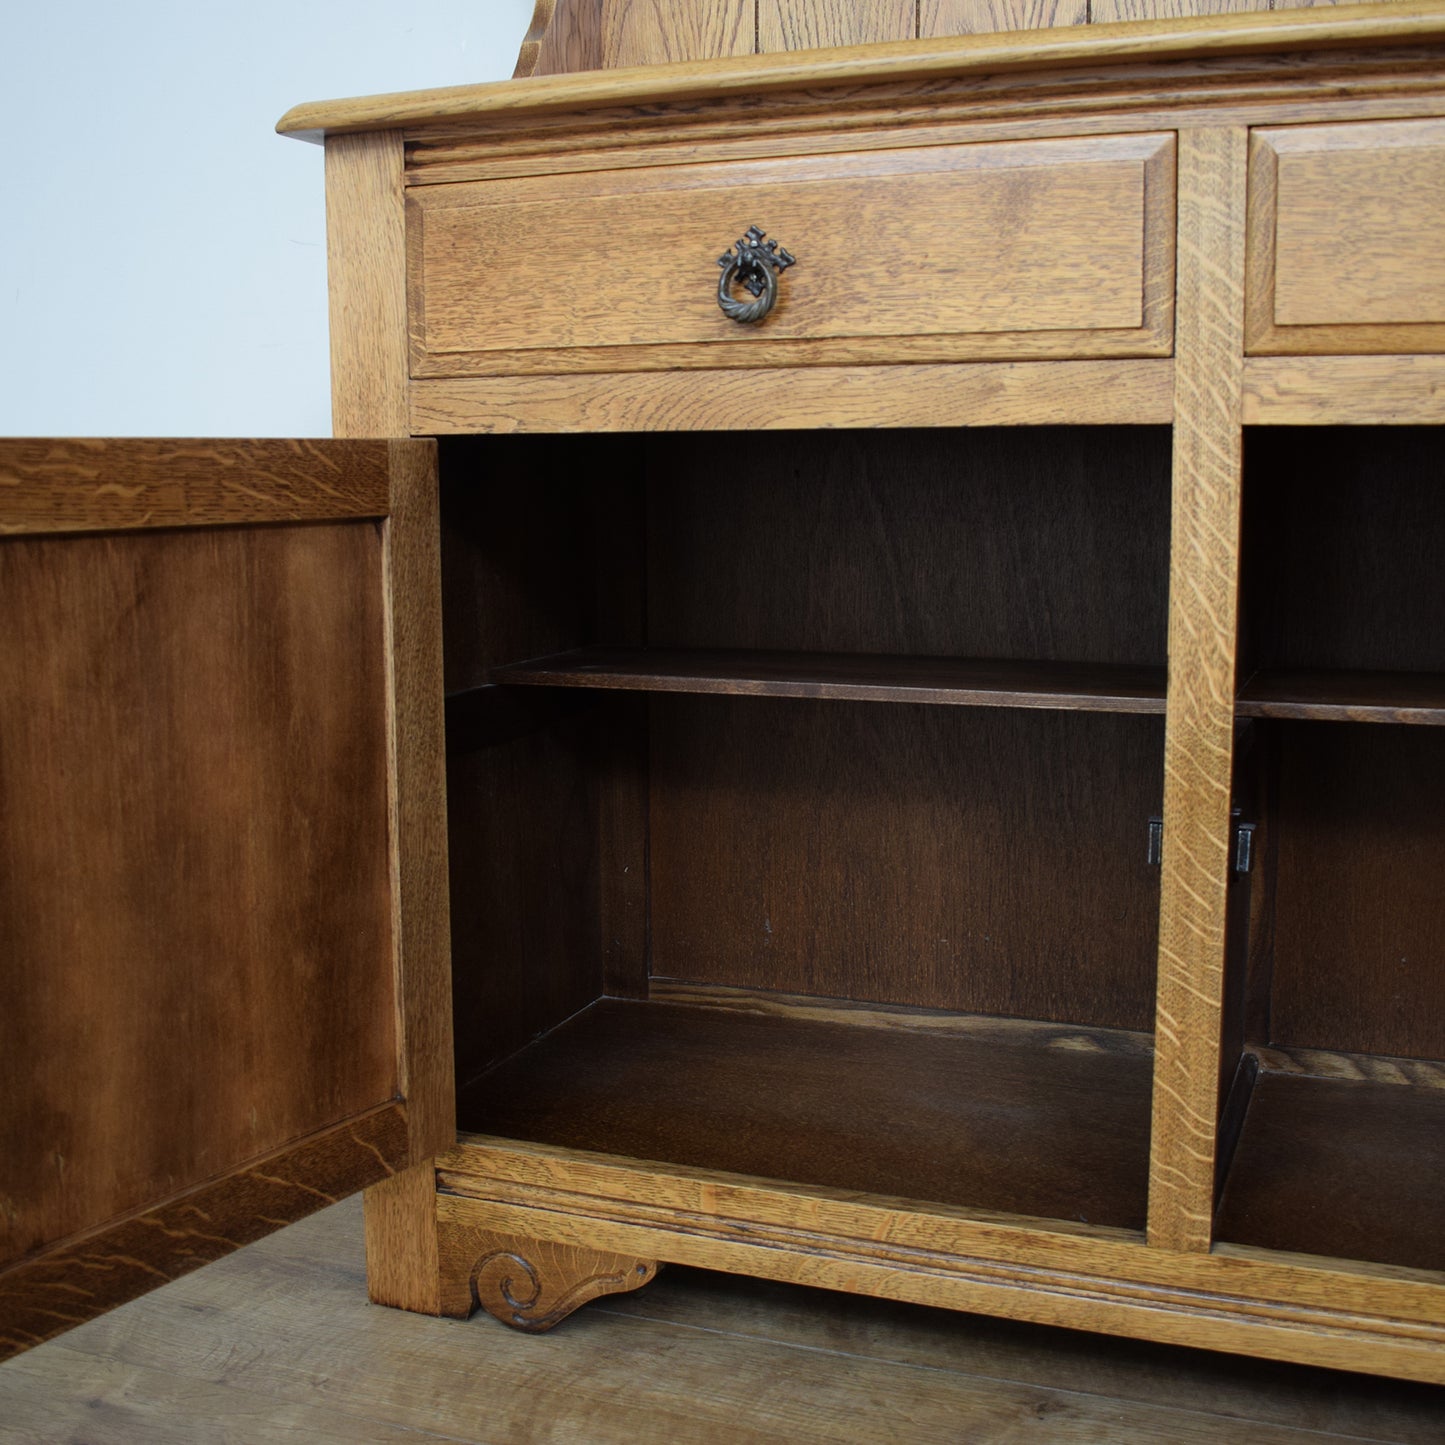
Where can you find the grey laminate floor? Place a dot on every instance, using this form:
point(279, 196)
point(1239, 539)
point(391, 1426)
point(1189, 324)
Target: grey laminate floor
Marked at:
point(277, 1343)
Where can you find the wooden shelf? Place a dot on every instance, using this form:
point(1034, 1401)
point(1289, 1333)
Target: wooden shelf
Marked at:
point(965, 682)
point(1327, 696)
point(1059, 1132)
point(1347, 1168)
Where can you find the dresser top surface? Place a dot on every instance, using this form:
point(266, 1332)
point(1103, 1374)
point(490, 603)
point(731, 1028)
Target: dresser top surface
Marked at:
point(1410, 22)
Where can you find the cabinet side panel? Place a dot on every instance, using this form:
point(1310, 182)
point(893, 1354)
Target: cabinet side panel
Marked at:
point(1199, 738)
point(539, 554)
point(195, 893)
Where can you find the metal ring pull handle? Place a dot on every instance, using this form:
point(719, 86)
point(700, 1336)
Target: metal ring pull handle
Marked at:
point(756, 268)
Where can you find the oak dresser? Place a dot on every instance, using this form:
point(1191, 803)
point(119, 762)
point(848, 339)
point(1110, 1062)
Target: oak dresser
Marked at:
point(893, 740)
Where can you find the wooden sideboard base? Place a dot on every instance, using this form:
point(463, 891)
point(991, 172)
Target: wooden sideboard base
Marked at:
point(527, 1283)
point(577, 1226)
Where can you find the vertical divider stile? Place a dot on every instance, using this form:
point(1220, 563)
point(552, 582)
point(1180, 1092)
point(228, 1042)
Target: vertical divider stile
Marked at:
point(1198, 747)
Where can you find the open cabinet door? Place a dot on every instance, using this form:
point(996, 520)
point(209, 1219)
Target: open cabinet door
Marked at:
point(224, 976)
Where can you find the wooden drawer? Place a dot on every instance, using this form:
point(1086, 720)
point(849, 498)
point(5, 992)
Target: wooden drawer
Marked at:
point(1029, 248)
point(1347, 238)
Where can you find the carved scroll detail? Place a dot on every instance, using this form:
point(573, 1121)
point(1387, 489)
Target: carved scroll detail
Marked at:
point(530, 1284)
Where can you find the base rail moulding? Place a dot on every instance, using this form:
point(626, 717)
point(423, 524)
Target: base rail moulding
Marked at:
point(618, 1221)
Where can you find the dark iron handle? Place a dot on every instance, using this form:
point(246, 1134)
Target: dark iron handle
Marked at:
point(756, 268)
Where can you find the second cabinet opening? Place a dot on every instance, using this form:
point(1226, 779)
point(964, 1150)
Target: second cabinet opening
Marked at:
point(800, 791)
point(1333, 1087)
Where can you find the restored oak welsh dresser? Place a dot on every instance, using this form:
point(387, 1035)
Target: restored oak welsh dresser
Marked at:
point(893, 741)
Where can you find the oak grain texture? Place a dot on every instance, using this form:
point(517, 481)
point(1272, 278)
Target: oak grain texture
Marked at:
point(786, 25)
point(1280, 1306)
point(365, 268)
point(656, 32)
point(530, 1284)
point(1410, 22)
point(1344, 390)
point(1350, 1169)
point(43, 1295)
point(195, 889)
point(400, 1233)
point(365, 237)
point(270, 1344)
point(564, 36)
point(399, 1227)
point(1398, 1303)
point(1060, 237)
point(956, 1119)
point(573, 35)
point(990, 394)
point(54, 486)
point(1200, 720)
point(961, 682)
point(1345, 225)
point(1112, 12)
point(530, 51)
point(1283, 88)
point(982, 17)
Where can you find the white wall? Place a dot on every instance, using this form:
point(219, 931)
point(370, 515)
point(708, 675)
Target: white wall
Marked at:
point(162, 250)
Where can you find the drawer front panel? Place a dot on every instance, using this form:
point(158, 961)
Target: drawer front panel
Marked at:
point(948, 252)
point(1347, 238)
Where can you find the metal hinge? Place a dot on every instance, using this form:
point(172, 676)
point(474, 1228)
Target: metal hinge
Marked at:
point(1241, 851)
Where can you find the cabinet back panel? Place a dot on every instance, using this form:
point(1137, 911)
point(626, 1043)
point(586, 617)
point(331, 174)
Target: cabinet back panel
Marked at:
point(1359, 937)
point(1343, 530)
point(1050, 543)
point(984, 861)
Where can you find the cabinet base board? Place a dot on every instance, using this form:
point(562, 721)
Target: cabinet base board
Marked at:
point(1238, 1300)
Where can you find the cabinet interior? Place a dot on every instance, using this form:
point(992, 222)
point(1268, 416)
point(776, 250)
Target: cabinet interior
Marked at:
point(1333, 1086)
point(799, 795)
point(800, 789)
